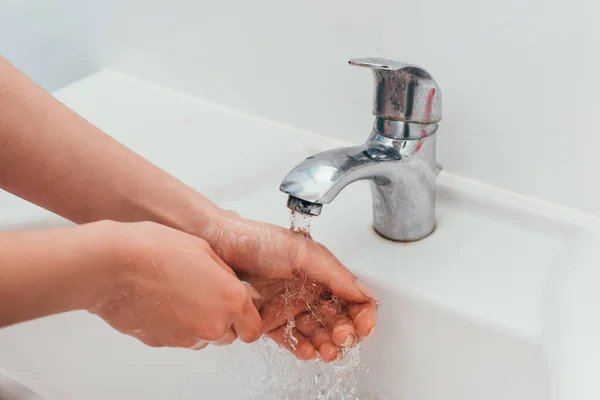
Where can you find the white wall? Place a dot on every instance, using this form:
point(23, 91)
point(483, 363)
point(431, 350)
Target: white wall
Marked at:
point(518, 77)
point(55, 41)
point(281, 59)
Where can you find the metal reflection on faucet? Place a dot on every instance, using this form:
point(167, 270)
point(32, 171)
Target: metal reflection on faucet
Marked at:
point(399, 156)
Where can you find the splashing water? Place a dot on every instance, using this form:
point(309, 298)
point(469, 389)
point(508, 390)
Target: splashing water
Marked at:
point(289, 378)
point(265, 371)
point(290, 325)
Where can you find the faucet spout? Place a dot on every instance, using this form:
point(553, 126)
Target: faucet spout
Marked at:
point(402, 175)
point(320, 178)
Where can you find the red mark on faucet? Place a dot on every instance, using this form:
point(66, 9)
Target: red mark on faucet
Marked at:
point(428, 109)
point(429, 104)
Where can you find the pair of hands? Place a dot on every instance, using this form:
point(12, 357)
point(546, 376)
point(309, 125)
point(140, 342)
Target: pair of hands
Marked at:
point(161, 285)
point(236, 278)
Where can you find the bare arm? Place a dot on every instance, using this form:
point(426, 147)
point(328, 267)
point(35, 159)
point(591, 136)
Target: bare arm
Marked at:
point(56, 159)
point(51, 271)
point(125, 273)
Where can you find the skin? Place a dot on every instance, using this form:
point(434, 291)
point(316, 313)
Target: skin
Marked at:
point(125, 273)
point(56, 159)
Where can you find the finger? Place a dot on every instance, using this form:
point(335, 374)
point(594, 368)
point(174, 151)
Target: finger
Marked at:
point(321, 265)
point(214, 256)
point(364, 317)
point(337, 319)
point(252, 292)
point(150, 342)
point(248, 324)
point(298, 344)
point(276, 311)
point(310, 327)
point(260, 290)
point(228, 338)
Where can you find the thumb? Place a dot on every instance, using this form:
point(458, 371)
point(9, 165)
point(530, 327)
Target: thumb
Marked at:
point(322, 266)
point(252, 292)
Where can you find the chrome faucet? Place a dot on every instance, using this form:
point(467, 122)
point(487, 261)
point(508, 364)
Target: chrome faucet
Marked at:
point(398, 158)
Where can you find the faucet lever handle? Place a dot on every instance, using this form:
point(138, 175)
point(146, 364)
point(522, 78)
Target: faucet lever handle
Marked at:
point(378, 63)
point(403, 92)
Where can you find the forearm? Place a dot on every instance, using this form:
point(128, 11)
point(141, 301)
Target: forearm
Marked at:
point(53, 271)
point(52, 157)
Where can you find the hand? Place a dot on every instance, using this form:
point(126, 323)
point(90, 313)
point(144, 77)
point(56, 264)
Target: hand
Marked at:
point(174, 291)
point(305, 317)
point(272, 258)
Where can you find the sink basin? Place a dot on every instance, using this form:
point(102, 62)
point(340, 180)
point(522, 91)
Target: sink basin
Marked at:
point(494, 305)
point(462, 310)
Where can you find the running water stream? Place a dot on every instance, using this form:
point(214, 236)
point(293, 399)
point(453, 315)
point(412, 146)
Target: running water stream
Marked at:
point(300, 223)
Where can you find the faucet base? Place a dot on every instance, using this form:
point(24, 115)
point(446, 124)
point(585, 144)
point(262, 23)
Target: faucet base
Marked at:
point(406, 219)
point(380, 234)
point(404, 204)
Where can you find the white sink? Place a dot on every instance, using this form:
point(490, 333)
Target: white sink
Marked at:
point(495, 304)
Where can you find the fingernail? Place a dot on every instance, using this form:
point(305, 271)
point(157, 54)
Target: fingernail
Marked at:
point(251, 291)
point(371, 332)
point(365, 290)
point(200, 344)
point(349, 341)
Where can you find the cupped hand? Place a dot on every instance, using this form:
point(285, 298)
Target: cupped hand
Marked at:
point(173, 290)
point(300, 280)
point(304, 316)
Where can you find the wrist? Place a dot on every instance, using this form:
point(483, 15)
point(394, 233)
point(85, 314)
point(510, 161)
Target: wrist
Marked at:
point(229, 234)
point(70, 269)
point(179, 207)
point(101, 257)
